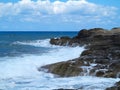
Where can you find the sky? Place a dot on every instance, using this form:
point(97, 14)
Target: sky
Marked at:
point(58, 15)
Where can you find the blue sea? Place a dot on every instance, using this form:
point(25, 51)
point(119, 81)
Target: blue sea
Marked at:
point(22, 53)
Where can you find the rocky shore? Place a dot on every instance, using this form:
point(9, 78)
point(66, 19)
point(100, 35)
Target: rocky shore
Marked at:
point(101, 57)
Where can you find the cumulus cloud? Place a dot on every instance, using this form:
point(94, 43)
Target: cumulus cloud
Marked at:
point(45, 11)
point(41, 7)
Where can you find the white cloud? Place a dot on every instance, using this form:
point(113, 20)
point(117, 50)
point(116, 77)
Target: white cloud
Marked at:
point(56, 7)
point(69, 11)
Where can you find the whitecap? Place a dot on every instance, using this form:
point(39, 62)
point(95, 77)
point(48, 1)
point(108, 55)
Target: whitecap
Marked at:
point(26, 64)
point(36, 43)
point(20, 73)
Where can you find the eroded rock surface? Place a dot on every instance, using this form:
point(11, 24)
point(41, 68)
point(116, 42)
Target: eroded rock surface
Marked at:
point(101, 57)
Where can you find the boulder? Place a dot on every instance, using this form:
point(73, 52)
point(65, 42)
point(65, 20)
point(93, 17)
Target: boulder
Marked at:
point(64, 69)
point(60, 41)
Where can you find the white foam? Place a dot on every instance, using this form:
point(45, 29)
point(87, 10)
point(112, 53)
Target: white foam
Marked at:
point(20, 73)
point(36, 43)
point(86, 69)
point(27, 64)
point(47, 82)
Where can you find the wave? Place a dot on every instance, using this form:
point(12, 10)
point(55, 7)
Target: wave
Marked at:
point(20, 73)
point(48, 82)
point(36, 43)
point(25, 65)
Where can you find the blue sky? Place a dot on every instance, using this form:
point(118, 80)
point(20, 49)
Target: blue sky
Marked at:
point(58, 15)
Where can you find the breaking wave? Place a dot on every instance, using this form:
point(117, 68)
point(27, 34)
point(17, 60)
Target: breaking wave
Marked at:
point(20, 72)
point(36, 43)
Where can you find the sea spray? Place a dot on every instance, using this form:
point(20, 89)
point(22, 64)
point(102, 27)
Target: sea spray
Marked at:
point(26, 64)
point(36, 43)
point(20, 72)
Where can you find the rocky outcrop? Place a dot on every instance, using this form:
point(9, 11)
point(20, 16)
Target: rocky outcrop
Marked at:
point(91, 36)
point(101, 57)
point(66, 69)
point(60, 41)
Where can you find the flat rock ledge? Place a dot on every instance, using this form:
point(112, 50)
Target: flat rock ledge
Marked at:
point(101, 57)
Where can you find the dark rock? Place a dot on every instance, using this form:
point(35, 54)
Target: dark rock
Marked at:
point(115, 65)
point(60, 41)
point(64, 69)
point(102, 61)
point(83, 34)
point(102, 51)
point(100, 73)
point(110, 74)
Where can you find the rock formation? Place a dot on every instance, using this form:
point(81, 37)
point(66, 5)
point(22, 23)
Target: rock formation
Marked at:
point(101, 57)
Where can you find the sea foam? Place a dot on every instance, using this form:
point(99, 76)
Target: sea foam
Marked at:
point(20, 73)
point(36, 43)
point(27, 64)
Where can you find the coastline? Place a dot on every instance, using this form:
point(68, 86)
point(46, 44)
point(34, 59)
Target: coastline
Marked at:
point(100, 58)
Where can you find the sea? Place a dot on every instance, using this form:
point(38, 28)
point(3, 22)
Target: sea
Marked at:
point(22, 53)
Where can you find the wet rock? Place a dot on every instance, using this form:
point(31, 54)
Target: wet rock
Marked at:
point(101, 57)
point(65, 69)
point(100, 73)
point(102, 61)
point(60, 41)
point(110, 75)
